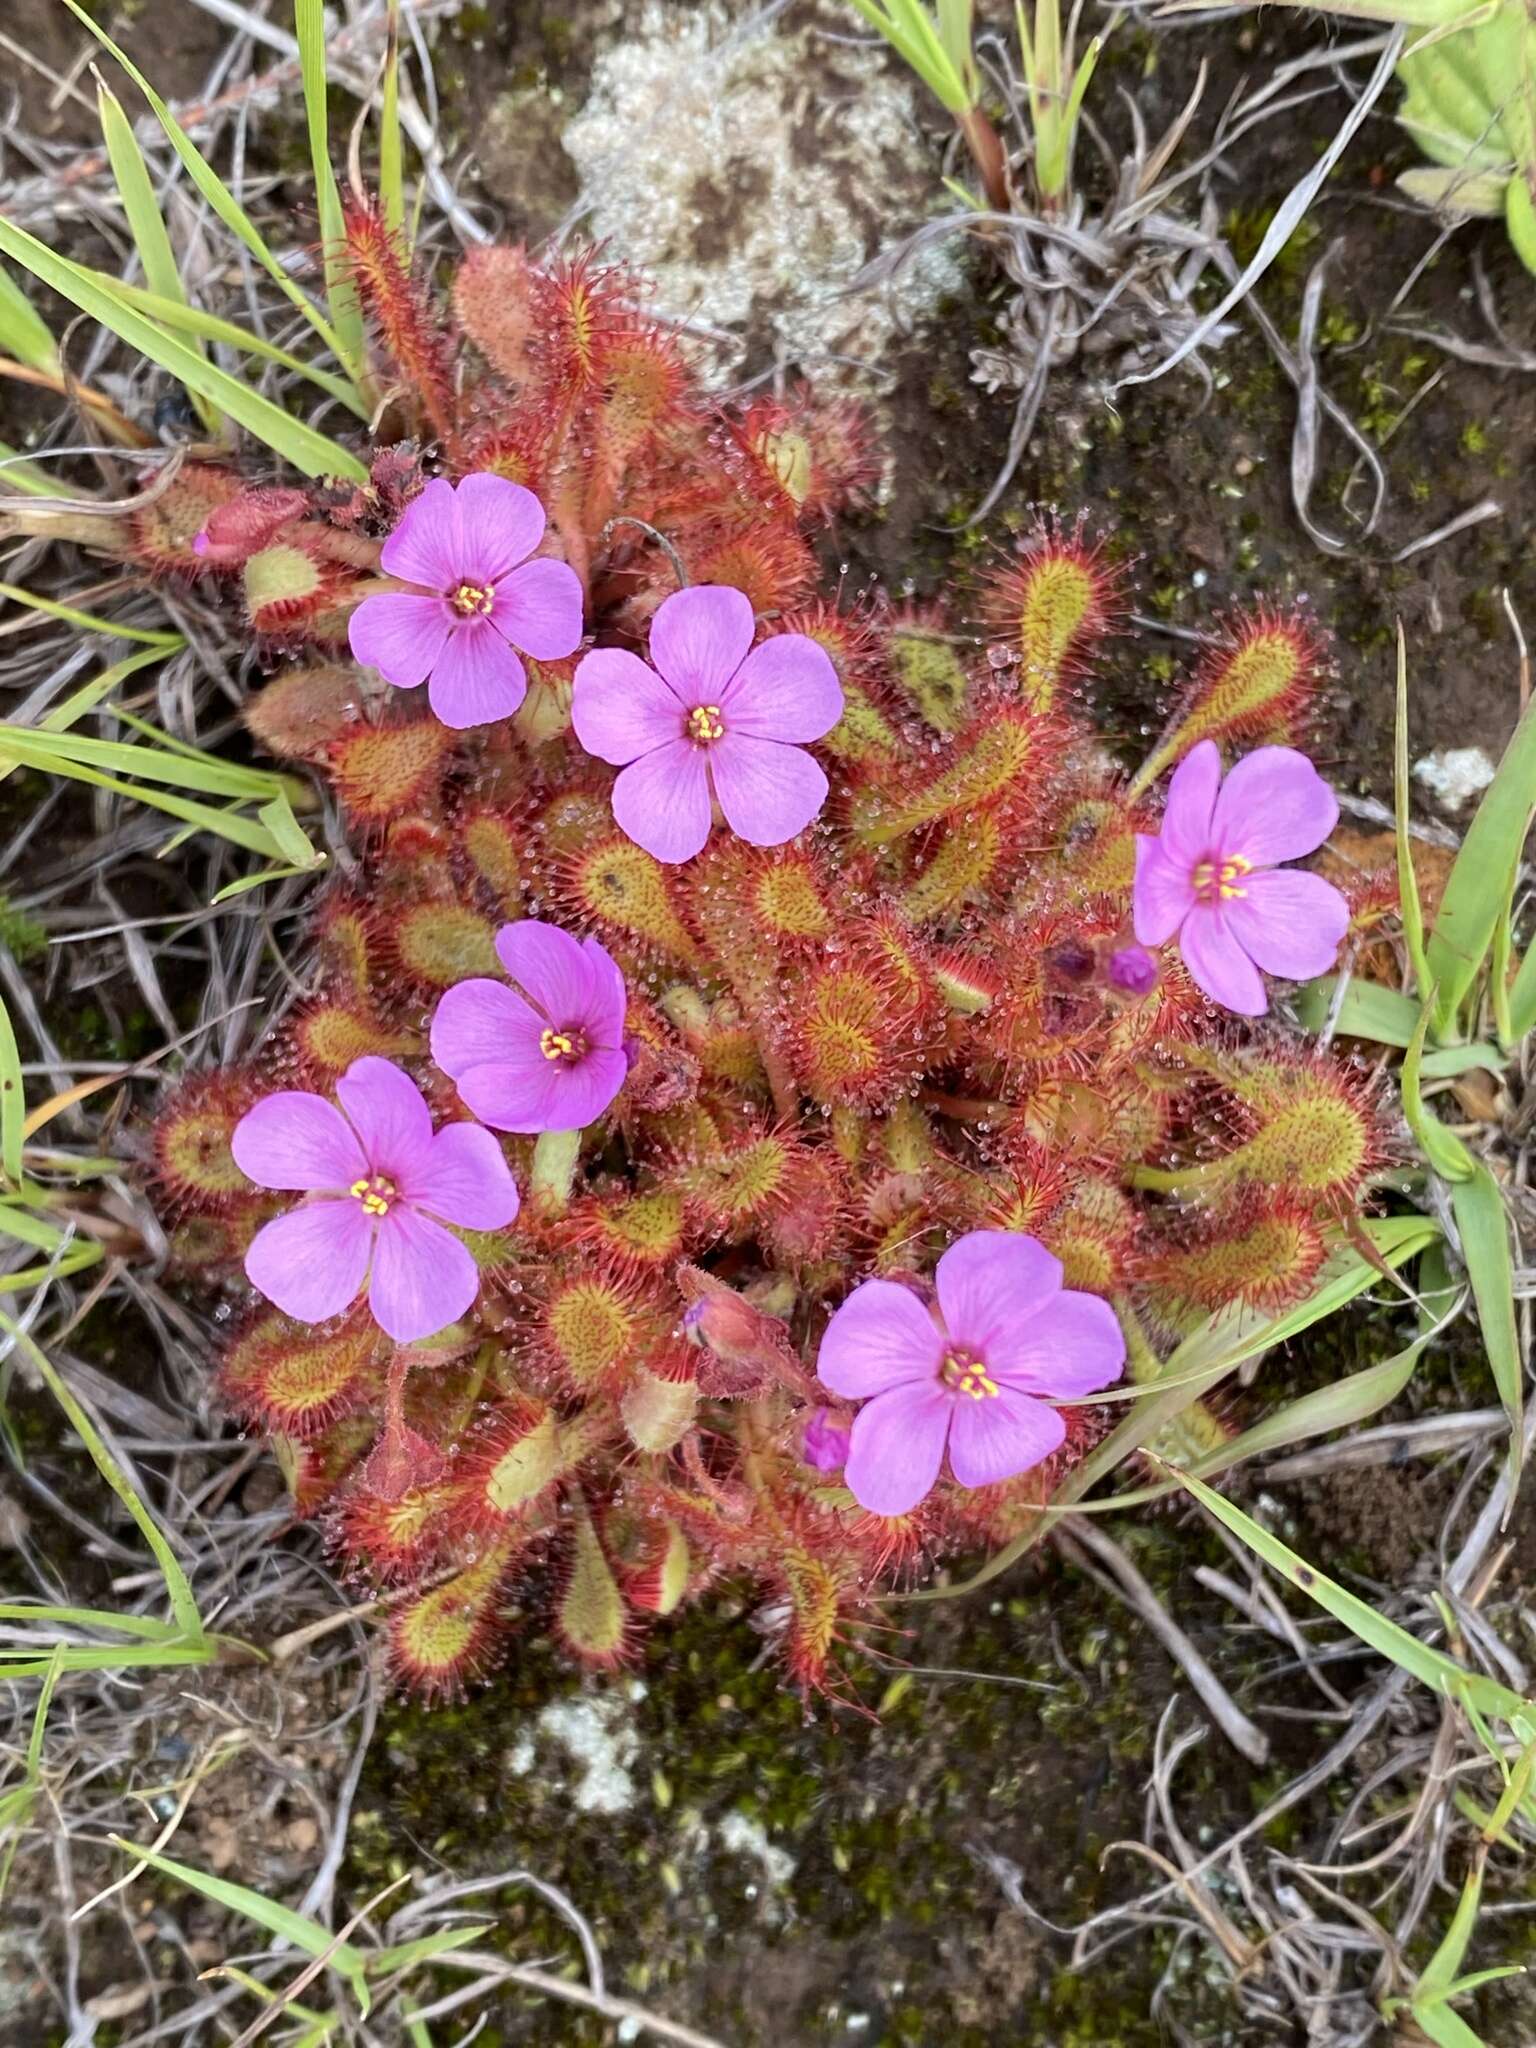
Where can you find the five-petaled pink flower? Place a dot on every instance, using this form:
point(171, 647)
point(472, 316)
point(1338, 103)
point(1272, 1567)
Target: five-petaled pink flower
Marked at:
point(381, 1185)
point(468, 546)
point(1211, 876)
point(547, 1054)
point(711, 716)
point(970, 1373)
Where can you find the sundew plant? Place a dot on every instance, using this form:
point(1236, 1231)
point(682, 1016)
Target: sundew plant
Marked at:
point(730, 1131)
point(774, 1098)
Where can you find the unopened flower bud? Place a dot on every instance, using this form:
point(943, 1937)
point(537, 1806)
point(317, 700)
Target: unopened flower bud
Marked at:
point(826, 1440)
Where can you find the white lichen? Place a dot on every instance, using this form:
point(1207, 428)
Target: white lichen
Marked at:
point(743, 1836)
point(752, 174)
point(1454, 775)
point(599, 1737)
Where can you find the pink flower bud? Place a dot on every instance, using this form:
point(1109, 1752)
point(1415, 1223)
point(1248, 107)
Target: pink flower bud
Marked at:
point(1132, 970)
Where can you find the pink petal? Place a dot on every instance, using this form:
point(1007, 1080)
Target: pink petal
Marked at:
point(991, 1281)
point(312, 1262)
point(1288, 923)
point(478, 678)
point(388, 1114)
point(787, 689)
point(897, 1448)
point(424, 547)
point(1218, 963)
point(1191, 800)
point(879, 1338)
point(700, 637)
point(500, 525)
point(400, 635)
point(423, 1277)
point(586, 1090)
point(1073, 1347)
point(1000, 1436)
point(478, 1022)
point(603, 1019)
point(550, 967)
point(662, 800)
point(1274, 806)
point(296, 1140)
point(621, 708)
point(768, 792)
point(1163, 894)
point(524, 1092)
point(464, 1179)
point(539, 609)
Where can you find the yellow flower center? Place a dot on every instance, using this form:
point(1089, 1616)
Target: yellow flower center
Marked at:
point(473, 600)
point(705, 723)
point(562, 1045)
point(1218, 880)
point(965, 1373)
point(374, 1192)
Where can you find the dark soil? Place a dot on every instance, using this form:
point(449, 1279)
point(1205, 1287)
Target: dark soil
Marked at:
point(886, 1928)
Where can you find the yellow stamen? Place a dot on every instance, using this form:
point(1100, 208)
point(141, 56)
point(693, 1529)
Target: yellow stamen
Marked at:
point(966, 1374)
point(374, 1193)
point(1213, 880)
point(557, 1045)
point(705, 723)
point(473, 600)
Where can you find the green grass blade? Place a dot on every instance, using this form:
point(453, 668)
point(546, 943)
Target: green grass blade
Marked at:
point(243, 884)
point(78, 1259)
point(1367, 1010)
point(1341, 1405)
point(1442, 1148)
point(1522, 999)
point(162, 273)
point(1442, 1674)
point(227, 824)
point(313, 453)
point(13, 1102)
point(391, 149)
point(19, 1222)
point(184, 319)
point(86, 698)
point(409, 1955)
point(1477, 887)
point(212, 186)
point(143, 1625)
point(1483, 1227)
point(1441, 1971)
point(89, 622)
point(1383, 1016)
point(306, 1935)
point(18, 1804)
point(164, 760)
point(25, 335)
point(177, 1585)
point(340, 290)
point(291, 2007)
point(26, 477)
point(119, 1657)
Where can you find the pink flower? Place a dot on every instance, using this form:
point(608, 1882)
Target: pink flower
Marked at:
point(464, 543)
point(380, 1179)
point(969, 1374)
point(1211, 876)
point(715, 717)
point(548, 1053)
